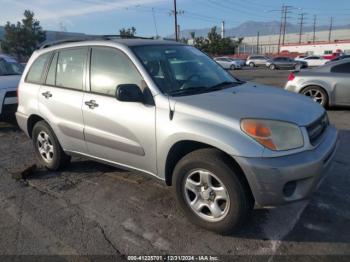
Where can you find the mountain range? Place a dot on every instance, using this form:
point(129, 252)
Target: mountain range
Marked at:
point(249, 28)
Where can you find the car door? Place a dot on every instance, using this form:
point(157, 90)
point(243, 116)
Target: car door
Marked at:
point(341, 76)
point(116, 131)
point(61, 97)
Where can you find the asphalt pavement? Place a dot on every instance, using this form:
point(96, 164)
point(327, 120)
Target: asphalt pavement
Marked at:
point(99, 211)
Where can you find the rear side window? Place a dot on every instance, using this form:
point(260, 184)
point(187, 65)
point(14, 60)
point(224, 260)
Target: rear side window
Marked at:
point(51, 76)
point(70, 68)
point(343, 68)
point(110, 68)
point(37, 69)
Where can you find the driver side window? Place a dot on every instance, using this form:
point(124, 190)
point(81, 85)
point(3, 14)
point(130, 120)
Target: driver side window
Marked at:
point(110, 68)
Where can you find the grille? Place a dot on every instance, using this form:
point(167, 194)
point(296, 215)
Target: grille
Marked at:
point(317, 128)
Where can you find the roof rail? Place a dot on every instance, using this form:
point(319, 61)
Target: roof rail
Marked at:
point(91, 37)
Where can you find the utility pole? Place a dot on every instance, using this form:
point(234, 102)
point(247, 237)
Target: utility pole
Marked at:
point(330, 30)
point(314, 35)
point(155, 22)
point(301, 26)
point(175, 15)
point(223, 29)
point(257, 43)
point(281, 26)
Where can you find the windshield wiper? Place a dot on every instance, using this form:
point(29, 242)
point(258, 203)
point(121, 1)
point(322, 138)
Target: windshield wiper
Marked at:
point(190, 90)
point(223, 85)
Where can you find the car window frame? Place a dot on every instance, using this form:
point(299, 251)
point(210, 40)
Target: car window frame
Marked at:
point(331, 69)
point(44, 73)
point(49, 65)
point(88, 76)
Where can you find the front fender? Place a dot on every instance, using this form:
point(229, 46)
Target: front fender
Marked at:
point(227, 137)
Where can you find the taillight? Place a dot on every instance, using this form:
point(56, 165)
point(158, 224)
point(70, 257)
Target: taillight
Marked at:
point(291, 77)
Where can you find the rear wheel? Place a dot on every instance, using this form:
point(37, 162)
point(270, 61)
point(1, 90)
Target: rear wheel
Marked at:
point(47, 148)
point(209, 191)
point(232, 67)
point(272, 67)
point(316, 93)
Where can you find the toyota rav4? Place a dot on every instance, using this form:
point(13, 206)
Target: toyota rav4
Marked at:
point(166, 109)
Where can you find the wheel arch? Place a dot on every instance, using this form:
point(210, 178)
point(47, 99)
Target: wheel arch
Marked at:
point(184, 147)
point(32, 120)
point(328, 93)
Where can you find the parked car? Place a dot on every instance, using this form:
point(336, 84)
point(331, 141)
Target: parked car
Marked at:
point(10, 75)
point(314, 60)
point(285, 63)
point(241, 62)
point(256, 60)
point(338, 58)
point(328, 85)
point(300, 57)
point(227, 63)
point(168, 110)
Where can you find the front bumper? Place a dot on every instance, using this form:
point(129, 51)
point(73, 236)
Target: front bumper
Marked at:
point(8, 102)
point(279, 180)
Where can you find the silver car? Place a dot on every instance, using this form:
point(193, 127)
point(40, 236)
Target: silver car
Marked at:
point(167, 110)
point(227, 63)
point(10, 75)
point(328, 85)
point(257, 60)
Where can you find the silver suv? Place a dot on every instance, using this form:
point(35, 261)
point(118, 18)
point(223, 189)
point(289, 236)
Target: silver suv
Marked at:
point(257, 60)
point(166, 109)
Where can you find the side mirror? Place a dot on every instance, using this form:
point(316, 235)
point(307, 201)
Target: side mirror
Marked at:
point(129, 93)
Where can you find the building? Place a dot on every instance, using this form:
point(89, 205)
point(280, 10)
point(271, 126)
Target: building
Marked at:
point(268, 44)
point(318, 48)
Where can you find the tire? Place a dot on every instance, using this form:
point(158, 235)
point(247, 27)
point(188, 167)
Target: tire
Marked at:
point(318, 94)
point(232, 67)
point(47, 148)
point(272, 67)
point(212, 163)
point(251, 64)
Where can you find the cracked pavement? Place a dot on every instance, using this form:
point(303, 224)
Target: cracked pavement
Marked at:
point(94, 209)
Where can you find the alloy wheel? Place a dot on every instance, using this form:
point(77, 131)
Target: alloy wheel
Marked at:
point(45, 146)
point(316, 95)
point(207, 195)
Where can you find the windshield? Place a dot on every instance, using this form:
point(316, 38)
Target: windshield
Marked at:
point(10, 68)
point(183, 70)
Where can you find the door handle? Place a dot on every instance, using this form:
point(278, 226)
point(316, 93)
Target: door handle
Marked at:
point(47, 94)
point(91, 104)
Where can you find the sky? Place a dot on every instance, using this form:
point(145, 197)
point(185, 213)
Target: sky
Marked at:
point(152, 17)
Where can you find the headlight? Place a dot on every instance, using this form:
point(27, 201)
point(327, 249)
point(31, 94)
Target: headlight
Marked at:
point(275, 135)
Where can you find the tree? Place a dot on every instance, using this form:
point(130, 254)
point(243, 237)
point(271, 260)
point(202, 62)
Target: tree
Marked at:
point(128, 33)
point(214, 44)
point(23, 38)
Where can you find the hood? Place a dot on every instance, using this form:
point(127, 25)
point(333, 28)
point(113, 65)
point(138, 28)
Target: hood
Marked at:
point(251, 100)
point(9, 81)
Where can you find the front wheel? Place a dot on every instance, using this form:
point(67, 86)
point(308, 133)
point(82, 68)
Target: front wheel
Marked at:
point(232, 67)
point(210, 192)
point(47, 148)
point(272, 67)
point(251, 64)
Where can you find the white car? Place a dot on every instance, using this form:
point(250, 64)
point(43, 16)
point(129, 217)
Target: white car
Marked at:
point(10, 75)
point(228, 63)
point(314, 60)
